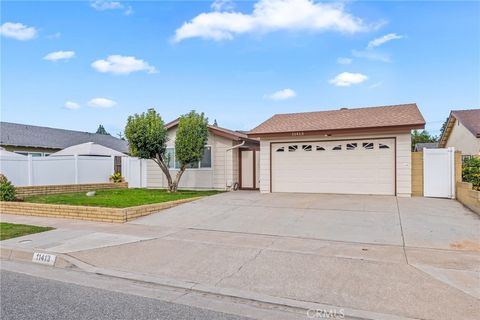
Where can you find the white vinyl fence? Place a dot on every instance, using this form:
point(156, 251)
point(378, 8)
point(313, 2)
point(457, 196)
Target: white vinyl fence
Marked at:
point(134, 170)
point(39, 171)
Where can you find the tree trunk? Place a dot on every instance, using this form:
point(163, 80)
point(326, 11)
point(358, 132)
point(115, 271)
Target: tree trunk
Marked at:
point(177, 178)
point(158, 159)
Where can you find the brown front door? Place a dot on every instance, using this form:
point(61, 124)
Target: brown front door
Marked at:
point(248, 169)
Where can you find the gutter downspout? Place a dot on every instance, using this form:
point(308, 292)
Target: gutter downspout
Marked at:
point(225, 167)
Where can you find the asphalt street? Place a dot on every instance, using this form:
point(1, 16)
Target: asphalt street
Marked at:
point(28, 297)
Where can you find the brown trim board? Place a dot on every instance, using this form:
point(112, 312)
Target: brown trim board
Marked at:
point(337, 131)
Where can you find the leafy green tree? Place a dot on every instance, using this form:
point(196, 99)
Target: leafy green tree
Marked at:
point(101, 130)
point(444, 126)
point(147, 138)
point(190, 141)
point(422, 137)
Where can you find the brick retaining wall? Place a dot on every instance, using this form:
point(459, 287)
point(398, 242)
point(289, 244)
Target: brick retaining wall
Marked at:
point(102, 214)
point(469, 197)
point(23, 192)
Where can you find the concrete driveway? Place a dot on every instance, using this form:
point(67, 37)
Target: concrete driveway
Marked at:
point(407, 257)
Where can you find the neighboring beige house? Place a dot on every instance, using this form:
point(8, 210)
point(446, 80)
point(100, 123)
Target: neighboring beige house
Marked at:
point(230, 158)
point(349, 151)
point(462, 132)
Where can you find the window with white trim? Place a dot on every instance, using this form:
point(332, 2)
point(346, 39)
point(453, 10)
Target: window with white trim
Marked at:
point(282, 149)
point(383, 146)
point(338, 147)
point(319, 148)
point(307, 147)
point(204, 163)
point(292, 148)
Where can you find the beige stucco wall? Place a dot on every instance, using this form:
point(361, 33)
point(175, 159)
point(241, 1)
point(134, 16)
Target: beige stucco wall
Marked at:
point(463, 140)
point(403, 157)
point(215, 177)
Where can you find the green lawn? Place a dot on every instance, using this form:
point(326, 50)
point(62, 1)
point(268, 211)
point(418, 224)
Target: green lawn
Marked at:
point(118, 198)
point(10, 230)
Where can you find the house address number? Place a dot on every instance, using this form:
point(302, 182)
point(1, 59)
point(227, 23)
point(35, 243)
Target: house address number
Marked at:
point(299, 133)
point(44, 258)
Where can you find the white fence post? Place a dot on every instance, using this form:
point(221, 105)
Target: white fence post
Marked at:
point(75, 157)
point(127, 167)
point(30, 170)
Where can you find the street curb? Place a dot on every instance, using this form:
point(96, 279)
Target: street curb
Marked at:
point(67, 262)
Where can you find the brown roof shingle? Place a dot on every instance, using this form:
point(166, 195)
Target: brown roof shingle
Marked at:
point(405, 115)
point(470, 119)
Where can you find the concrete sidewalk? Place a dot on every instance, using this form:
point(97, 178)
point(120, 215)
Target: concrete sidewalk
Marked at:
point(342, 251)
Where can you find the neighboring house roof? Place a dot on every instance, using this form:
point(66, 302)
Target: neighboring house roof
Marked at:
point(223, 132)
point(427, 145)
point(470, 119)
point(406, 116)
point(22, 135)
point(88, 149)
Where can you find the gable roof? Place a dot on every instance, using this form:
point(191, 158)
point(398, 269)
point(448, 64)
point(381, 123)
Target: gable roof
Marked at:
point(470, 119)
point(405, 116)
point(23, 135)
point(223, 132)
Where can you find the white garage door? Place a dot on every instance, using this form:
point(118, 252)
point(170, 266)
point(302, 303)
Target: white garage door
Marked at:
point(352, 167)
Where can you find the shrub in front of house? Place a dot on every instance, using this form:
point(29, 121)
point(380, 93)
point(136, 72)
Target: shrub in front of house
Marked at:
point(116, 177)
point(7, 190)
point(471, 172)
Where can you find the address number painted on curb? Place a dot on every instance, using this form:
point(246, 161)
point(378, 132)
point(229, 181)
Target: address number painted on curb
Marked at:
point(44, 258)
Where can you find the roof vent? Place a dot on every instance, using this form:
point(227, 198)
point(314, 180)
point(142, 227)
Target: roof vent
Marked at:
point(343, 108)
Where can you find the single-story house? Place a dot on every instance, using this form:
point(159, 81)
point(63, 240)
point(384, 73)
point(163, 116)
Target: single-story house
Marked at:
point(425, 145)
point(42, 141)
point(462, 132)
point(346, 151)
point(230, 160)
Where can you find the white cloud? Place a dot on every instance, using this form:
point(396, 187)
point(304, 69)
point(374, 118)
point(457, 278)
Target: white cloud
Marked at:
point(269, 16)
point(344, 60)
point(386, 38)
point(346, 79)
point(59, 55)
point(101, 103)
point(371, 55)
point(71, 105)
point(102, 5)
point(222, 5)
point(17, 31)
point(281, 95)
point(118, 64)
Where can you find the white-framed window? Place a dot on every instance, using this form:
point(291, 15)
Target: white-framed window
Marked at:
point(205, 163)
point(33, 154)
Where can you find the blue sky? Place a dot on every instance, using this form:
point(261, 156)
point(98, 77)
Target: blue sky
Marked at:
point(78, 64)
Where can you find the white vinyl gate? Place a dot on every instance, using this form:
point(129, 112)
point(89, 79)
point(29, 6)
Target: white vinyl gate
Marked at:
point(439, 173)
